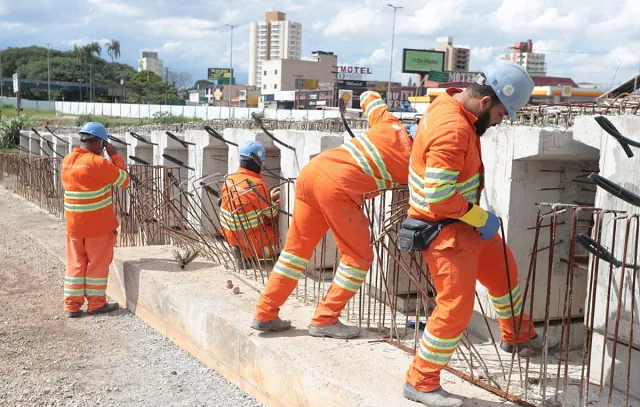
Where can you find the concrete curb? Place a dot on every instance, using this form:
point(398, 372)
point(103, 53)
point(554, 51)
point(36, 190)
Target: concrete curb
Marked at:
point(195, 310)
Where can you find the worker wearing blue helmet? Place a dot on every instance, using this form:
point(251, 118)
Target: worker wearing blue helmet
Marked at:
point(248, 210)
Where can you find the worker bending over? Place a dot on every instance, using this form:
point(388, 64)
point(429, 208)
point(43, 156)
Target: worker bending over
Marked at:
point(445, 183)
point(247, 212)
point(329, 195)
point(87, 179)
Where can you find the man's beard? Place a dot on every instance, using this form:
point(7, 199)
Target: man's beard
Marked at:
point(482, 124)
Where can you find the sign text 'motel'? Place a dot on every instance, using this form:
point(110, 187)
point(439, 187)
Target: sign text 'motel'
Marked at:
point(358, 70)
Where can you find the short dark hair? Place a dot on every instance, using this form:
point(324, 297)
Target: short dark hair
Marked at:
point(479, 89)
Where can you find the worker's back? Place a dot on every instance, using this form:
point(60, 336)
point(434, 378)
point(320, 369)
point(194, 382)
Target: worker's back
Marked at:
point(245, 201)
point(376, 159)
point(87, 179)
point(441, 186)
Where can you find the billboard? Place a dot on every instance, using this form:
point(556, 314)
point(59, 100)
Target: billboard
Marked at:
point(422, 61)
point(346, 96)
point(353, 73)
point(215, 74)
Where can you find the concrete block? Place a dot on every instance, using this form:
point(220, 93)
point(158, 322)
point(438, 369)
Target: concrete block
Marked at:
point(618, 367)
point(196, 311)
point(140, 149)
point(209, 157)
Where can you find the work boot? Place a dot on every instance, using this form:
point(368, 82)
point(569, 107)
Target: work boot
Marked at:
point(534, 344)
point(275, 325)
point(436, 398)
point(336, 331)
point(72, 314)
point(108, 307)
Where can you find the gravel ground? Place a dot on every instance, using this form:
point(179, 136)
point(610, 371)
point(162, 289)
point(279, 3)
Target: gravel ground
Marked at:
point(110, 360)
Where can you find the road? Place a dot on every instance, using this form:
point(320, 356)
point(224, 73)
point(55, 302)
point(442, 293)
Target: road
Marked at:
point(109, 360)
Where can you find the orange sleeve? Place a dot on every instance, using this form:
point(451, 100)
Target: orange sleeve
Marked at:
point(444, 159)
point(375, 109)
point(111, 173)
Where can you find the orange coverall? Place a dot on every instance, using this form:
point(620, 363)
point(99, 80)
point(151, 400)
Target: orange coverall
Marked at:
point(247, 220)
point(446, 174)
point(329, 195)
point(87, 179)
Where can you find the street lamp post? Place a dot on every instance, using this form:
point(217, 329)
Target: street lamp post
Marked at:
point(48, 74)
point(393, 34)
point(231, 63)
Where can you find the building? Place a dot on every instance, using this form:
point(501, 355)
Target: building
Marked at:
point(523, 54)
point(272, 39)
point(455, 59)
point(218, 95)
point(289, 74)
point(151, 62)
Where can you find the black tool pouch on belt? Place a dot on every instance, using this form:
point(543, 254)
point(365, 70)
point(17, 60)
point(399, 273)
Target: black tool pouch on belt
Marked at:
point(416, 234)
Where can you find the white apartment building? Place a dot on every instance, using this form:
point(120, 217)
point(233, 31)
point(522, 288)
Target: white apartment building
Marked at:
point(151, 62)
point(523, 54)
point(274, 38)
point(455, 59)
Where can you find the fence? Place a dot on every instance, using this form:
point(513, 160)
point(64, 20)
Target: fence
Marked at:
point(201, 112)
point(163, 206)
point(29, 104)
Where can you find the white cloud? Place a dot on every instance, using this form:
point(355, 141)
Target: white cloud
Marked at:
point(534, 16)
point(626, 55)
point(318, 25)
point(482, 54)
point(85, 40)
point(355, 20)
point(114, 7)
point(378, 56)
point(182, 28)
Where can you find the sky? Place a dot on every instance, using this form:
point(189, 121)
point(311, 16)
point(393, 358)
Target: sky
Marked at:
point(596, 38)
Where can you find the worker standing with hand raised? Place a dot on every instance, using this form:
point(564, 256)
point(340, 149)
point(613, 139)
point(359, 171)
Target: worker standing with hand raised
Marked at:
point(445, 184)
point(87, 179)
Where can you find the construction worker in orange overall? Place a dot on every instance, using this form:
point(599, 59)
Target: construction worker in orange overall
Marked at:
point(446, 181)
point(87, 179)
point(247, 212)
point(329, 195)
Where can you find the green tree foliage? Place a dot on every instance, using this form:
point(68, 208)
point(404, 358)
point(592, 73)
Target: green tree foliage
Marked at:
point(147, 87)
point(10, 131)
point(66, 66)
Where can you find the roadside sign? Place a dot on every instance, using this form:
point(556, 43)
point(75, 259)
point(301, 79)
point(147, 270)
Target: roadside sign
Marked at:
point(16, 82)
point(225, 81)
point(215, 74)
point(438, 76)
point(406, 104)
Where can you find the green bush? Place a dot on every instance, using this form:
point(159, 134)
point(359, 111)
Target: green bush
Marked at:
point(170, 118)
point(10, 130)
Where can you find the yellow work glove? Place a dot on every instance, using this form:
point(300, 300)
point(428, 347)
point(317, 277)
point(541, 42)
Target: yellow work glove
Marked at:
point(476, 217)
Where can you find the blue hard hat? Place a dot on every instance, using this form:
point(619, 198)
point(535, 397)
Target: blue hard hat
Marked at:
point(96, 130)
point(253, 149)
point(511, 83)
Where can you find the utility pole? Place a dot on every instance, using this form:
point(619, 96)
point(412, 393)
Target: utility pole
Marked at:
point(19, 95)
point(393, 34)
point(1, 76)
point(48, 74)
point(166, 85)
point(231, 63)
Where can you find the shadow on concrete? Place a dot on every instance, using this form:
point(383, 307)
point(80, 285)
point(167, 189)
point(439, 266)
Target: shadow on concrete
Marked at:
point(170, 265)
point(291, 333)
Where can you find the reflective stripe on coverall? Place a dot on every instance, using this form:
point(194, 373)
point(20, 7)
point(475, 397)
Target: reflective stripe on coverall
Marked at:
point(87, 179)
point(329, 195)
point(246, 219)
point(447, 174)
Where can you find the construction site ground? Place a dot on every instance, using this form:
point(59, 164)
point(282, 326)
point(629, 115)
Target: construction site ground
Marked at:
point(110, 360)
point(118, 359)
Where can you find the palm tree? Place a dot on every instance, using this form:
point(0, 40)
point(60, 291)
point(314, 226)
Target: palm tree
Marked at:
point(92, 48)
point(113, 49)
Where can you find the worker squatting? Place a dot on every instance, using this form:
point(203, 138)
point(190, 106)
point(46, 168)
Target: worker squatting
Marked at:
point(440, 161)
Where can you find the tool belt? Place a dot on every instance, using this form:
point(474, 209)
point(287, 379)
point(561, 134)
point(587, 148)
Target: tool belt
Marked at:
point(417, 234)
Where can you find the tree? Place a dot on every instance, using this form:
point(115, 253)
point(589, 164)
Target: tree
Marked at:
point(147, 87)
point(181, 80)
point(113, 49)
point(92, 48)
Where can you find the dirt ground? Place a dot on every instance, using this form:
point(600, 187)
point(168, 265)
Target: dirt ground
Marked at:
point(110, 360)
